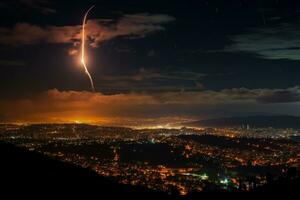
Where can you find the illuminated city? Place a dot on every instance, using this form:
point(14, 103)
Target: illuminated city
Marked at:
point(170, 160)
point(149, 99)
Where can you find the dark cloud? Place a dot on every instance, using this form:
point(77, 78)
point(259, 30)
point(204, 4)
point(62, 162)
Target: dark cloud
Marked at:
point(151, 53)
point(42, 6)
point(98, 30)
point(24, 33)
point(281, 97)
point(270, 42)
point(153, 80)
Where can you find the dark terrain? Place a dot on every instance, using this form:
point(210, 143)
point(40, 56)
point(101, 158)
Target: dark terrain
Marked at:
point(28, 174)
point(31, 173)
point(252, 121)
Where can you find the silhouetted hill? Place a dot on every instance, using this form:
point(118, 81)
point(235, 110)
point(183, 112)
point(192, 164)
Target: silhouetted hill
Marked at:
point(252, 121)
point(21, 170)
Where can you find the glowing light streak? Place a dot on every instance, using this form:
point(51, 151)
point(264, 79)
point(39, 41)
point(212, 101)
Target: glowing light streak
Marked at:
point(83, 50)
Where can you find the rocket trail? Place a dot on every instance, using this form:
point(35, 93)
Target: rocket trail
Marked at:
point(83, 49)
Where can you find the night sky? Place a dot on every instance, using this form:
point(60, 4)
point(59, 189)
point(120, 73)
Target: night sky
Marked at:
point(153, 62)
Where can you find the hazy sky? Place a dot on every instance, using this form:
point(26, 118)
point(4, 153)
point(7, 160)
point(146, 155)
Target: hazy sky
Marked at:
point(153, 62)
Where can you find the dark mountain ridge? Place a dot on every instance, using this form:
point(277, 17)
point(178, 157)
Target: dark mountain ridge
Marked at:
point(252, 121)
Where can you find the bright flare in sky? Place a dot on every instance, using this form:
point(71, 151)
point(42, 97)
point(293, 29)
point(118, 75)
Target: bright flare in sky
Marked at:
point(83, 49)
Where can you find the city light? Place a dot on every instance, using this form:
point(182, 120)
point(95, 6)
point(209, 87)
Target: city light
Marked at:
point(148, 148)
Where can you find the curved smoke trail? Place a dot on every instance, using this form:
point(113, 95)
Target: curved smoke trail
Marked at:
point(83, 49)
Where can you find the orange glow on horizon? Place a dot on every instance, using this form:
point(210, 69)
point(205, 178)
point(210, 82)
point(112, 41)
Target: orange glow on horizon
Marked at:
point(101, 121)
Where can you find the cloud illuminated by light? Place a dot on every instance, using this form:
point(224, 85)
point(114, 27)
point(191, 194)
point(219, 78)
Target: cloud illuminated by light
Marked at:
point(98, 30)
point(156, 109)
